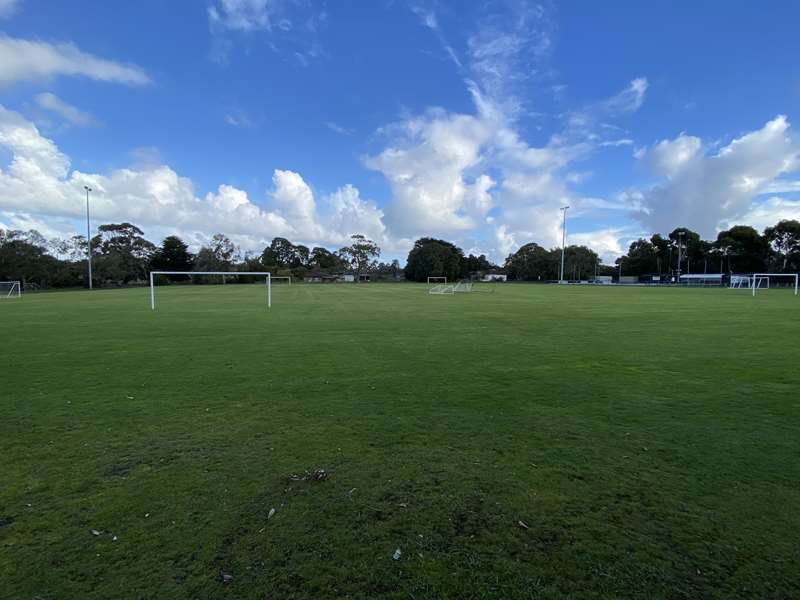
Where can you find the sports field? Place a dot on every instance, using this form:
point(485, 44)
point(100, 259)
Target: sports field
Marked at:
point(538, 441)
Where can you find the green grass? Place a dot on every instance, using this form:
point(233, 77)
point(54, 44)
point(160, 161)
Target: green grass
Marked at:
point(648, 438)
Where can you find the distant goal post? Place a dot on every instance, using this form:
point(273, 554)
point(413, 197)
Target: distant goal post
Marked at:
point(267, 281)
point(10, 289)
point(758, 279)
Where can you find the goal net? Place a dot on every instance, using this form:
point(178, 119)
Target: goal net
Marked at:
point(764, 281)
point(440, 290)
point(218, 277)
point(463, 286)
point(10, 289)
point(740, 282)
point(437, 280)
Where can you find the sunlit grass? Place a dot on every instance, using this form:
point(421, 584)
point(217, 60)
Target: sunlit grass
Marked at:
point(535, 441)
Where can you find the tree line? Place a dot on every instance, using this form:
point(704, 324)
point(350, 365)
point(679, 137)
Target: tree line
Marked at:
point(121, 255)
point(740, 249)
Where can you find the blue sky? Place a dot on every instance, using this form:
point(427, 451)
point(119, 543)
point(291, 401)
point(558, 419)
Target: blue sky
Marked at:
point(470, 121)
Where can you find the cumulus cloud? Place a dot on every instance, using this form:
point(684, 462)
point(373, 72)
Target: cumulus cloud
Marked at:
point(71, 114)
point(766, 213)
point(29, 60)
point(425, 164)
point(707, 188)
point(608, 243)
point(39, 187)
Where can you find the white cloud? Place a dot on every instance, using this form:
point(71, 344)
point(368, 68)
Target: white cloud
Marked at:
point(781, 186)
point(38, 187)
point(628, 100)
point(238, 118)
point(71, 114)
point(243, 15)
point(335, 127)
point(28, 60)
point(608, 243)
point(704, 190)
point(508, 48)
point(768, 212)
point(289, 25)
point(425, 165)
point(8, 8)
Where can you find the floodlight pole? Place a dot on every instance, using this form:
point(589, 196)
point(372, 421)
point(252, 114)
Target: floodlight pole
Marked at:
point(563, 240)
point(680, 248)
point(88, 236)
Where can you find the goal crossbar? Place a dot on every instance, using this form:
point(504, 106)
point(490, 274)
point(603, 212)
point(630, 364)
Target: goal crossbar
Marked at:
point(760, 276)
point(265, 274)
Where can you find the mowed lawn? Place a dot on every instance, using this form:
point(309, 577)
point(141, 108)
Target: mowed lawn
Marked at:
point(537, 441)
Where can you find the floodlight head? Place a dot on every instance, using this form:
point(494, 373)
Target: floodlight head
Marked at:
point(87, 188)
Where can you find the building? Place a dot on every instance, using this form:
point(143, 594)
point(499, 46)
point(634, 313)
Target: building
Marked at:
point(494, 277)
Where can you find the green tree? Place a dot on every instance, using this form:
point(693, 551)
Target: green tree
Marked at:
point(641, 259)
point(531, 263)
point(284, 254)
point(122, 253)
point(360, 254)
point(172, 255)
point(431, 257)
point(580, 262)
point(324, 259)
point(746, 250)
point(784, 241)
point(663, 251)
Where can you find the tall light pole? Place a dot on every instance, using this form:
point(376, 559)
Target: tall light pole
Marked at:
point(680, 249)
point(563, 240)
point(88, 236)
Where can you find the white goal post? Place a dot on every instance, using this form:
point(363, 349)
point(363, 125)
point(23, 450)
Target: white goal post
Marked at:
point(440, 290)
point(759, 278)
point(10, 289)
point(265, 274)
point(437, 280)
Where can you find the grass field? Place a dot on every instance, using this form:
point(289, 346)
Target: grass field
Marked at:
point(538, 441)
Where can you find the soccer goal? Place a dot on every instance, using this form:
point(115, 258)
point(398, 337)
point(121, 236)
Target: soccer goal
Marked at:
point(267, 280)
point(10, 289)
point(740, 282)
point(437, 280)
point(762, 280)
point(463, 286)
point(440, 290)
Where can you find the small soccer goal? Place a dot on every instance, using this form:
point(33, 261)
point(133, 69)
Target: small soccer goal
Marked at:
point(739, 282)
point(442, 290)
point(437, 280)
point(10, 289)
point(761, 281)
point(221, 274)
point(463, 287)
